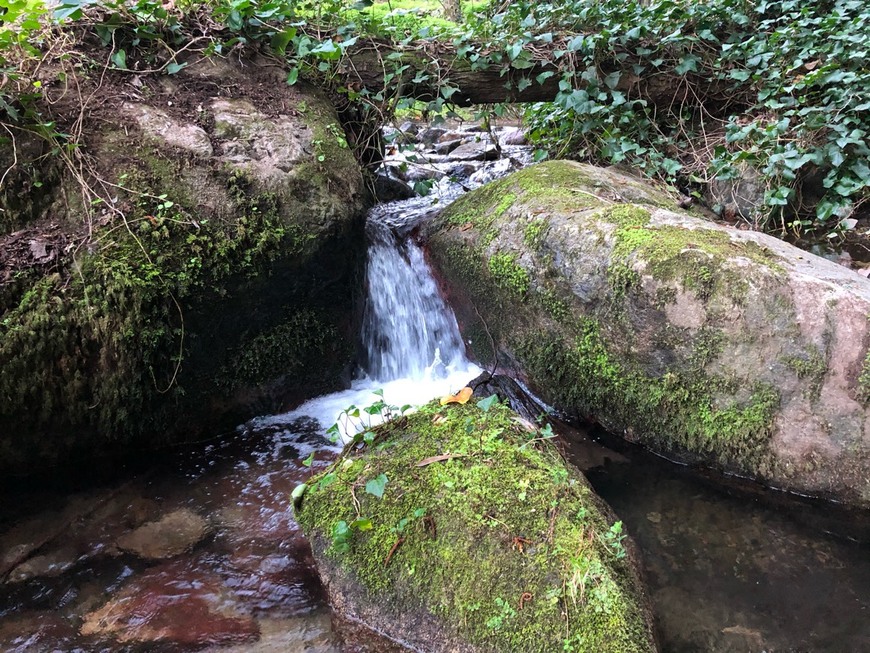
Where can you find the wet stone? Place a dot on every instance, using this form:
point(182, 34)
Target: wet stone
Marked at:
point(475, 152)
point(174, 602)
point(166, 538)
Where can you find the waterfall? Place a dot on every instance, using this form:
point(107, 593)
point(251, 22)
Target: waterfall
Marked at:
point(412, 349)
point(408, 331)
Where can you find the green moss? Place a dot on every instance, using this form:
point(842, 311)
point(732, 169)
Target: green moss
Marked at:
point(299, 347)
point(811, 366)
point(555, 307)
point(553, 185)
point(694, 257)
point(533, 233)
point(103, 355)
point(864, 381)
point(509, 274)
point(506, 202)
point(679, 410)
point(503, 519)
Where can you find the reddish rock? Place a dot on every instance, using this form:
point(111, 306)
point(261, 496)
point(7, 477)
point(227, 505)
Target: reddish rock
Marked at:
point(174, 602)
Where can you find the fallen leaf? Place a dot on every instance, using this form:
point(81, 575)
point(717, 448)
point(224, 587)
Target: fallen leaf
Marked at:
point(460, 397)
point(438, 459)
point(466, 226)
point(438, 419)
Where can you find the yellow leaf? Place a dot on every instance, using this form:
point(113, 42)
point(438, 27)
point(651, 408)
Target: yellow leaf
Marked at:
point(460, 397)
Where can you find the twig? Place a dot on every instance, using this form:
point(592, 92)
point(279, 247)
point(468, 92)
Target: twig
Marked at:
point(393, 550)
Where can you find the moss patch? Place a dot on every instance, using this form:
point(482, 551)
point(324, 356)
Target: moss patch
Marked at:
point(680, 411)
point(508, 273)
point(502, 541)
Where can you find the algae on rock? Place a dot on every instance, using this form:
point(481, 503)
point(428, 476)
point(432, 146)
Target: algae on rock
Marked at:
point(724, 347)
point(484, 539)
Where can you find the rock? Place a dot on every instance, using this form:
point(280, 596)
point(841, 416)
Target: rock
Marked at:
point(30, 630)
point(741, 197)
point(430, 135)
point(251, 194)
point(459, 169)
point(172, 603)
point(412, 172)
point(493, 171)
point(267, 147)
point(156, 123)
point(447, 146)
point(167, 537)
point(310, 633)
point(410, 128)
point(478, 542)
point(476, 151)
point(48, 565)
point(718, 346)
point(388, 189)
point(512, 136)
point(455, 136)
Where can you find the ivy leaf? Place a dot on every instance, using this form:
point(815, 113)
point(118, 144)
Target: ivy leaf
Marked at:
point(689, 63)
point(173, 67)
point(119, 59)
point(486, 404)
point(362, 524)
point(298, 493)
point(376, 486)
point(292, 76)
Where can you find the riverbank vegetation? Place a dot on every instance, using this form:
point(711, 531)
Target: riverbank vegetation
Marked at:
point(775, 93)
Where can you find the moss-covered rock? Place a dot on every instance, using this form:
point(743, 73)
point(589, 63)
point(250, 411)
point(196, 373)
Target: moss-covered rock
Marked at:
point(455, 529)
point(206, 271)
point(725, 347)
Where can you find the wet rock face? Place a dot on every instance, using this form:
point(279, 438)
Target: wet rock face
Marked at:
point(729, 348)
point(476, 539)
point(240, 195)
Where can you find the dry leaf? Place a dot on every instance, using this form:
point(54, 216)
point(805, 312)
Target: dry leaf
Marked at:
point(460, 397)
point(439, 459)
point(466, 226)
point(438, 419)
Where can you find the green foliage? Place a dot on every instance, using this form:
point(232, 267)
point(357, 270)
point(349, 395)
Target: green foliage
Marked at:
point(793, 75)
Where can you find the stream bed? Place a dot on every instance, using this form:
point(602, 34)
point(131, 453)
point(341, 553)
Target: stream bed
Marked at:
point(200, 551)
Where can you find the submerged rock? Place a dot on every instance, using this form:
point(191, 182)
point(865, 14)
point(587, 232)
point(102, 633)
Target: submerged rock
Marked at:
point(458, 530)
point(729, 348)
point(169, 536)
point(148, 607)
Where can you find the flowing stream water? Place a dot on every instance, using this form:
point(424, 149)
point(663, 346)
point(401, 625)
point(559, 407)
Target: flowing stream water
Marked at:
point(725, 573)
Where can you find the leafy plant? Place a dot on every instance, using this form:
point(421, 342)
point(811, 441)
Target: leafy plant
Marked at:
point(614, 537)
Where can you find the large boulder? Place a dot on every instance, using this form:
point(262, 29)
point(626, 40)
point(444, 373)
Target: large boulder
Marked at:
point(194, 263)
point(456, 529)
point(724, 347)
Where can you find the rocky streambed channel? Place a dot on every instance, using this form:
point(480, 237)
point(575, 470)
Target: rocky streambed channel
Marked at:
point(200, 550)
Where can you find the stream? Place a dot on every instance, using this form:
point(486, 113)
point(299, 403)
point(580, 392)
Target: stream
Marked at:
point(89, 571)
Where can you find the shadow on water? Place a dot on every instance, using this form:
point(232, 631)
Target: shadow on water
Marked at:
point(732, 569)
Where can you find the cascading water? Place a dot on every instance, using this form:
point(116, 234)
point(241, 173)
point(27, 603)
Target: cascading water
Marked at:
point(408, 331)
point(413, 350)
